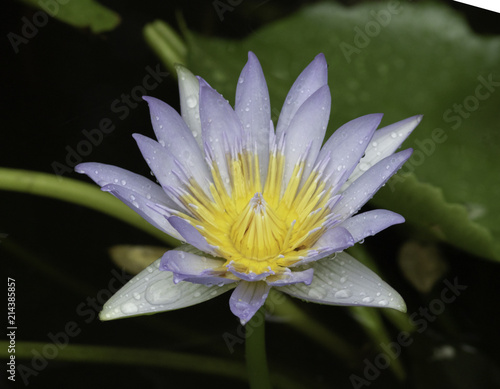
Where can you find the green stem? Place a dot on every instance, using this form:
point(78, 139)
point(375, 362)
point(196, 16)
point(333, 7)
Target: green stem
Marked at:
point(76, 192)
point(255, 351)
point(132, 356)
point(282, 306)
point(166, 43)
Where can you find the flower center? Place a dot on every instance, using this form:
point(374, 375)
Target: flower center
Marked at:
point(257, 230)
point(258, 233)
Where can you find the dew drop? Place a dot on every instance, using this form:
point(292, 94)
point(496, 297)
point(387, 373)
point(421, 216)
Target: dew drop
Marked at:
point(343, 294)
point(382, 303)
point(160, 293)
point(394, 135)
point(137, 296)
point(123, 182)
point(135, 204)
point(343, 279)
point(367, 299)
point(191, 101)
point(196, 294)
point(157, 118)
point(129, 307)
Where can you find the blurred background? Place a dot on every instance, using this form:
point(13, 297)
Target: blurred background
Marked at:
point(60, 82)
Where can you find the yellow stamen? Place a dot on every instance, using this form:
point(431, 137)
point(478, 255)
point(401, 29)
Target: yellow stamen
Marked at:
point(257, 230)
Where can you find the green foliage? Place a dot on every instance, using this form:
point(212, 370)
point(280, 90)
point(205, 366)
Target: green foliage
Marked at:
point(80, 13)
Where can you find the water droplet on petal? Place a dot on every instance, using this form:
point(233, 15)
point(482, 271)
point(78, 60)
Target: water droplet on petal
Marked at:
point(123, 182)
point(191, 101)
point(162, 293)
point(367, 299)
point(382, 303)
point(394, 135)
point(343, 294)
point(129, 307)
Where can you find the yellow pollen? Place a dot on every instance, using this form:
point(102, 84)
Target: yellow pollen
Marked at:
point(259, 230)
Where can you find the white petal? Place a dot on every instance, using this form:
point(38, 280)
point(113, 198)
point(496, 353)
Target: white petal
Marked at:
point(153, 290)
point(189, 91)
point(342, 280)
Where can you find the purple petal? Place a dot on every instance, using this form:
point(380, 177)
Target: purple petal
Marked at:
point(103, 174)
point(189, 93)
point(313, 77)
point(363, 189)
point(249, 276)
point(153, 290)
point(160, 160)
point(294, 277)
point(136, 191)
point(347, 145)
point(146, 208)
point(371, 223)
point(247, 298)
point(220, 125)
point(194, 268)
point(174, 135)
point(342, 280)
point(385, 141)
point(332, 241)
point(307, 130)
point(191, 235)
point(253, 109)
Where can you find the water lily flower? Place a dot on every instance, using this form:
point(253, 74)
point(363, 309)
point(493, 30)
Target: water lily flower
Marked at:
point(257, 207)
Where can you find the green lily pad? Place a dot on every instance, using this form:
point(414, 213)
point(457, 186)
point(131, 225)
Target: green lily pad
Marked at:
point(401, 59)
point(80, 13)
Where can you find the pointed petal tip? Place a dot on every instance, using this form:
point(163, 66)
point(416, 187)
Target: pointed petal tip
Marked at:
point(82, 168)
